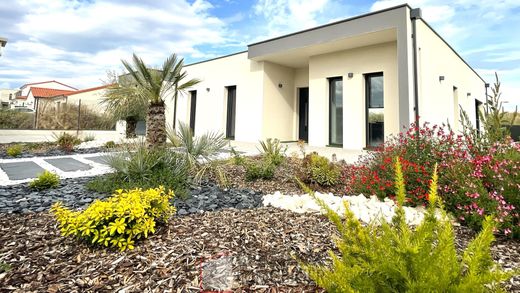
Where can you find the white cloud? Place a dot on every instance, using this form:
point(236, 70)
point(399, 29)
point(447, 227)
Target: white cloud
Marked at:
point(79, 40)
point(288, 16)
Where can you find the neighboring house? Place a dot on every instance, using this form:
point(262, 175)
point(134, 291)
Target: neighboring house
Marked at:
point(349, 84)
point(24, 98)
point(90, 97)
point(6, 96)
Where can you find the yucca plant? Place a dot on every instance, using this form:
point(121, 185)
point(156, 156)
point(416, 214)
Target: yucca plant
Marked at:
point(393, 257)
point(201, 151)
point(273, 150)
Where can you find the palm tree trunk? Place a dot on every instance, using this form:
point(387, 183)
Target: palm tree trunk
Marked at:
point(131, 125)
point(155, 125)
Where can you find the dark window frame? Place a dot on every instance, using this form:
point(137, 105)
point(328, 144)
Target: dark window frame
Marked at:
point(367, 105)
point(231, 127)
point(331, 80)
point(193, 110)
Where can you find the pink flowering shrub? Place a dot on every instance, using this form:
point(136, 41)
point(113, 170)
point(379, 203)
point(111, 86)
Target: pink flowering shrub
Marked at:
point(474, 180)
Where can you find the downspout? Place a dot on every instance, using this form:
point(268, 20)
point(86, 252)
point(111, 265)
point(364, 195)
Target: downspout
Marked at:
point(414, 15)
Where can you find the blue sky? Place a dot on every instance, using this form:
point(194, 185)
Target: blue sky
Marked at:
point(76, 42)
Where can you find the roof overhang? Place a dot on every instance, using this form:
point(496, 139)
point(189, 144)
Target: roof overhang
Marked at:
point(3, 42)
point(294, 49)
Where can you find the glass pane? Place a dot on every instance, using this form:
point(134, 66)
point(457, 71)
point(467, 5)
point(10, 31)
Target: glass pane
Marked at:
point(376, 127)
point(376, 92)
point(336, 111)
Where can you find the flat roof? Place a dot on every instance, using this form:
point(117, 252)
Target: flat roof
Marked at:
point(332, 23)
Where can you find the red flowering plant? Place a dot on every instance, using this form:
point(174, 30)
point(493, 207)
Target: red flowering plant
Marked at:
point(474, 181)
point(372, 175)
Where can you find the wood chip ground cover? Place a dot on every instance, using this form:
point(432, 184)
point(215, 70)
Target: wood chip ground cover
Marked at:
point(259, 243)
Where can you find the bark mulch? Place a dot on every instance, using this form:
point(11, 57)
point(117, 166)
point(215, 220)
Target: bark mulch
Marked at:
point(260, 244)
point(283, 181)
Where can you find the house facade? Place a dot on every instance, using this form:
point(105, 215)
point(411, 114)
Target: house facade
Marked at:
point(28, 94)
point(348, 84)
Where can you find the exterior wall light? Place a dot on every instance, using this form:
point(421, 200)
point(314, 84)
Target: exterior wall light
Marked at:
point(280, 85)
point(207, 89)
point(350, 75)
point(441, 78)
point(469, 94)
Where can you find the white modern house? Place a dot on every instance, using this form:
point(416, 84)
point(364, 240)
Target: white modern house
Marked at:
point(348, 84)
point(28, 94)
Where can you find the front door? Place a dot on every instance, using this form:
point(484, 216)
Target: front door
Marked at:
point(303, 124)
point(231, 111)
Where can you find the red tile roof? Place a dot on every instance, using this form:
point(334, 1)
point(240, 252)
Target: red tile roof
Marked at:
point(39, 92)
point(89, 89)
point(21, 98)
point(34, 83)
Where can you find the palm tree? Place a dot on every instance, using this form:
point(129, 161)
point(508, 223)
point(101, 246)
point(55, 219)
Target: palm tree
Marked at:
point(124, 101)
point(155, 85)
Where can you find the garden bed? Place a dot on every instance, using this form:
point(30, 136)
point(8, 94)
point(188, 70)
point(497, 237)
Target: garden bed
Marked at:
point(260, 244)
point(283, 180)
point(44, 149)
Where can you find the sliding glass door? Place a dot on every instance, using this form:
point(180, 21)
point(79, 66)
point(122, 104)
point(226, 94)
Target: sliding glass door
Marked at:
point(336, 111)
point(375, 109)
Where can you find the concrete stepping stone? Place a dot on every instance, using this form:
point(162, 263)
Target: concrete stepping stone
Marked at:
point(21, 170)
point(98, 159)
point(68, 164)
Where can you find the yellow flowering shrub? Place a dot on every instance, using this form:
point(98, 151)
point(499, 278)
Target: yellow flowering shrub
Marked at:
point(118, 221)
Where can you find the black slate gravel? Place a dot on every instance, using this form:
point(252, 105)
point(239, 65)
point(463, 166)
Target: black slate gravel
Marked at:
point(73, 193)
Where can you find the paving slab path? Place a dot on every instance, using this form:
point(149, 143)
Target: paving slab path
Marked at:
point(15, 171)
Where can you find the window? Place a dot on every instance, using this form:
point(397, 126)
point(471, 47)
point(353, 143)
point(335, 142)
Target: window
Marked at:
point(478, 111)
point(193, 107)
point(375, 109)
point(336, 111)
point(231, 111)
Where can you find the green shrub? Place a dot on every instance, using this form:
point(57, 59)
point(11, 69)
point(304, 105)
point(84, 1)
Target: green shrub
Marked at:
point(13, 119)
point(263, 169)
point(89, 137)
point(319, 170)
point(45, 180)
point(66, 141)
point(118, 221)
point(393, 257)
point(236, 158)
point(140, 167)
point(14, 150)
point(273, 150)
point(110, 144)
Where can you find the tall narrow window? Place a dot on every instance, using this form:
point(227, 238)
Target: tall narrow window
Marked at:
point(336, 111)
point(193, 107)
point(231, 111)
point(455, 108)
point(375, 109)
point(478, 106)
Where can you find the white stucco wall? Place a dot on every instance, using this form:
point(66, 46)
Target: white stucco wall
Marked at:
point(279, 102)
point(359, 61)
point(236, 70)
point(90, 99)
point(436, 98)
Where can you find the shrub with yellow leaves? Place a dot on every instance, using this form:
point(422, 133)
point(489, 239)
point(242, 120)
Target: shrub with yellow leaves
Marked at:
point(118, 221)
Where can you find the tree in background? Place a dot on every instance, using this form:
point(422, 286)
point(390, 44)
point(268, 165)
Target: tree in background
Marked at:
point(156, 85)
point(125, 101)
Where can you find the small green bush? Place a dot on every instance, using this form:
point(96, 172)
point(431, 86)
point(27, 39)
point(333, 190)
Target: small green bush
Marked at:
point(236, 158)
point(260, 170)
point(14, 150)
point(110, 144)
point(319, 170)
point(89, 137)
point(66, 141)
point(45, 180)
point(118, 221)
point(393, 257)
point(273, 150)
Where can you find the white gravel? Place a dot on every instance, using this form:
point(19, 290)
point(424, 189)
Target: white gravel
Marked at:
point(365, 209)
